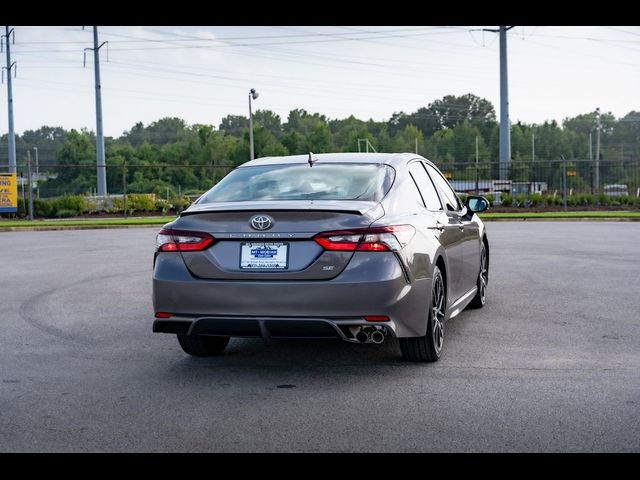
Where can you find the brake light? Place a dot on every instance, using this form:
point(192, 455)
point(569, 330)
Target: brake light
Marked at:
point(169, 240)
point(166, 315)
point(376, 239)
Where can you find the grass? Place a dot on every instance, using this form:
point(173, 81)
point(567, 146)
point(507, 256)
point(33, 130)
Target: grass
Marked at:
point(551, 215)
point(151, 221)
point(90, 222)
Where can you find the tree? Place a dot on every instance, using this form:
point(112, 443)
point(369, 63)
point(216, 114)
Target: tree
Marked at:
point(405, 140)
point(447, 112)
point(76, 164)
point(234, 125)
point(269, 121)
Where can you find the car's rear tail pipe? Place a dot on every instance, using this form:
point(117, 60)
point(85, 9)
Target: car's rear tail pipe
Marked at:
point(369, 334)
point(377, 336)
point(362, 336)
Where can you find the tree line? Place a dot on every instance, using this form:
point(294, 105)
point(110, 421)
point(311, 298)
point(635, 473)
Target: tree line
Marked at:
point(169, 155)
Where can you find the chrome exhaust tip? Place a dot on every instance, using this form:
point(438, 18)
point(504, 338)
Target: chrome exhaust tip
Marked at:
point(362, 336)
point(377, 337)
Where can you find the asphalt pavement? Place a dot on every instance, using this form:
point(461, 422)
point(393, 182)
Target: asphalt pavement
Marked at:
point(552, 363)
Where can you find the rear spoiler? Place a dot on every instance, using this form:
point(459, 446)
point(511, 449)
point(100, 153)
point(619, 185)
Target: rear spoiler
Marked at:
point(337, 206)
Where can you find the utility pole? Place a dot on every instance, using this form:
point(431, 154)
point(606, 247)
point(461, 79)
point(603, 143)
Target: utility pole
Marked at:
point(416, 145)
point(37, 174)
point(564, 182)
point(596, 180)
point(477, 165)
point(100, 161)
point(30, 185)
point(505, 126)
point(10, 66)
point(533, 147)
point(124, 186)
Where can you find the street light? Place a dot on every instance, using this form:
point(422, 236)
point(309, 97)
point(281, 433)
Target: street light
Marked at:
point(252, 95)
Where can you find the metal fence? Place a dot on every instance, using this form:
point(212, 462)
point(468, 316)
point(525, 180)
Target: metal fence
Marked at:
point(168, 181)
point(164, 181)
point(548, 176)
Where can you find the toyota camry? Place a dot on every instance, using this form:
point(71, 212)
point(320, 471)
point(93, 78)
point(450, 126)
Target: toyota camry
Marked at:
point(355, 246)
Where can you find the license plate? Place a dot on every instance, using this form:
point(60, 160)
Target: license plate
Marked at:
point(264, 255)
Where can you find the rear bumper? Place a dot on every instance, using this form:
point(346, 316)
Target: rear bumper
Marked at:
point(268, 327)
point(372, 284)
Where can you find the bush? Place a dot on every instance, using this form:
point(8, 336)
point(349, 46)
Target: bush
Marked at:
point(555, 200)
point(66, 213)
point(506, 198)
point(585, 199)
point(490, 198)
point(161, 205)
point(521, 198)
point(117, 204)
point(603, 199)
point(42, 208)
point(178, 204)
point(21, 208)
point(536, 200)
point(140, 202)
point(71, 202)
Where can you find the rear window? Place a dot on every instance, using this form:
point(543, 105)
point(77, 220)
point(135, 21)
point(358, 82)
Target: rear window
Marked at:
point(336, 181)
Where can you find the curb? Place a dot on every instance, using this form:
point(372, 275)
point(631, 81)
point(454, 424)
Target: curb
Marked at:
point(73, 227)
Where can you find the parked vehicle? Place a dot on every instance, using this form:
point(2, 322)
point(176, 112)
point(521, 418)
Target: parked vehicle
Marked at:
point(616, 190)
point(358, 246)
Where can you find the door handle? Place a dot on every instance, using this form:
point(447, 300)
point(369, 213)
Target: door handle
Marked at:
point(439, 226)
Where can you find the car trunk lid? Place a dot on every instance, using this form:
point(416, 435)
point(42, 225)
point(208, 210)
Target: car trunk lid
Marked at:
point(285, 250)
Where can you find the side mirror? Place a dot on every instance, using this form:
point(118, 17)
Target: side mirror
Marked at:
point(477, 204)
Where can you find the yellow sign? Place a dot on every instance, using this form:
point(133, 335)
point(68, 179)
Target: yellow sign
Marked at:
point(571, 173)
point(8, 193)
point(448, 175)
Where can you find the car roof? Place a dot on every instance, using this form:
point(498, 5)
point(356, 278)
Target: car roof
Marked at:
point(345, 157)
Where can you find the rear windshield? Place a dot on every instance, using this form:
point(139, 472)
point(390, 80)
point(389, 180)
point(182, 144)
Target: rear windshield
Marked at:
point(336, 181)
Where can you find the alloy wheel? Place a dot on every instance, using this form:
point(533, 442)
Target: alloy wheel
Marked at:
point(437, 313)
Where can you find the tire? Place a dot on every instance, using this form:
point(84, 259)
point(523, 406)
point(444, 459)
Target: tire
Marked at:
point(428, 348)
point(483, 279)
point(202, 346)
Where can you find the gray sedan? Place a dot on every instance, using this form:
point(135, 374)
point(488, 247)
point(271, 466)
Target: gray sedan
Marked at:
point(357, 246)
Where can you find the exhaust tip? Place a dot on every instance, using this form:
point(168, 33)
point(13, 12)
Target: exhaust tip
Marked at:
point(377, 337)
point(362, 337)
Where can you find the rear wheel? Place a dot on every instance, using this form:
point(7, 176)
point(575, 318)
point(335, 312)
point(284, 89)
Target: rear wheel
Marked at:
point(202, 346)
point(429, 347)
point(483, 278)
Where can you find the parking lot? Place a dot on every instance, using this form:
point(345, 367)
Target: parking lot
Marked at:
point(552, 363)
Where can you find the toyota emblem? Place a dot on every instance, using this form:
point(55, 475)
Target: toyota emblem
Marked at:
point(261, 222)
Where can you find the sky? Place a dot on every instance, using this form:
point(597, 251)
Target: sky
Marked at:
point(201, 74)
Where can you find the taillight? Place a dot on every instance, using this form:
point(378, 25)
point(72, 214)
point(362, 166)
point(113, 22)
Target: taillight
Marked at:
point(376, 239)
point(169, 240)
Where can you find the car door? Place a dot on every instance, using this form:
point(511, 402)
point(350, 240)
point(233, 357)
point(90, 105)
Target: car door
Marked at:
point(464, 232)
point(446, 228)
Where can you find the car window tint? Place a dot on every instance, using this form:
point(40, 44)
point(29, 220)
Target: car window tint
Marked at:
point(448, 195)
point(330, 181)
point(427, 190)
point(415, 192)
